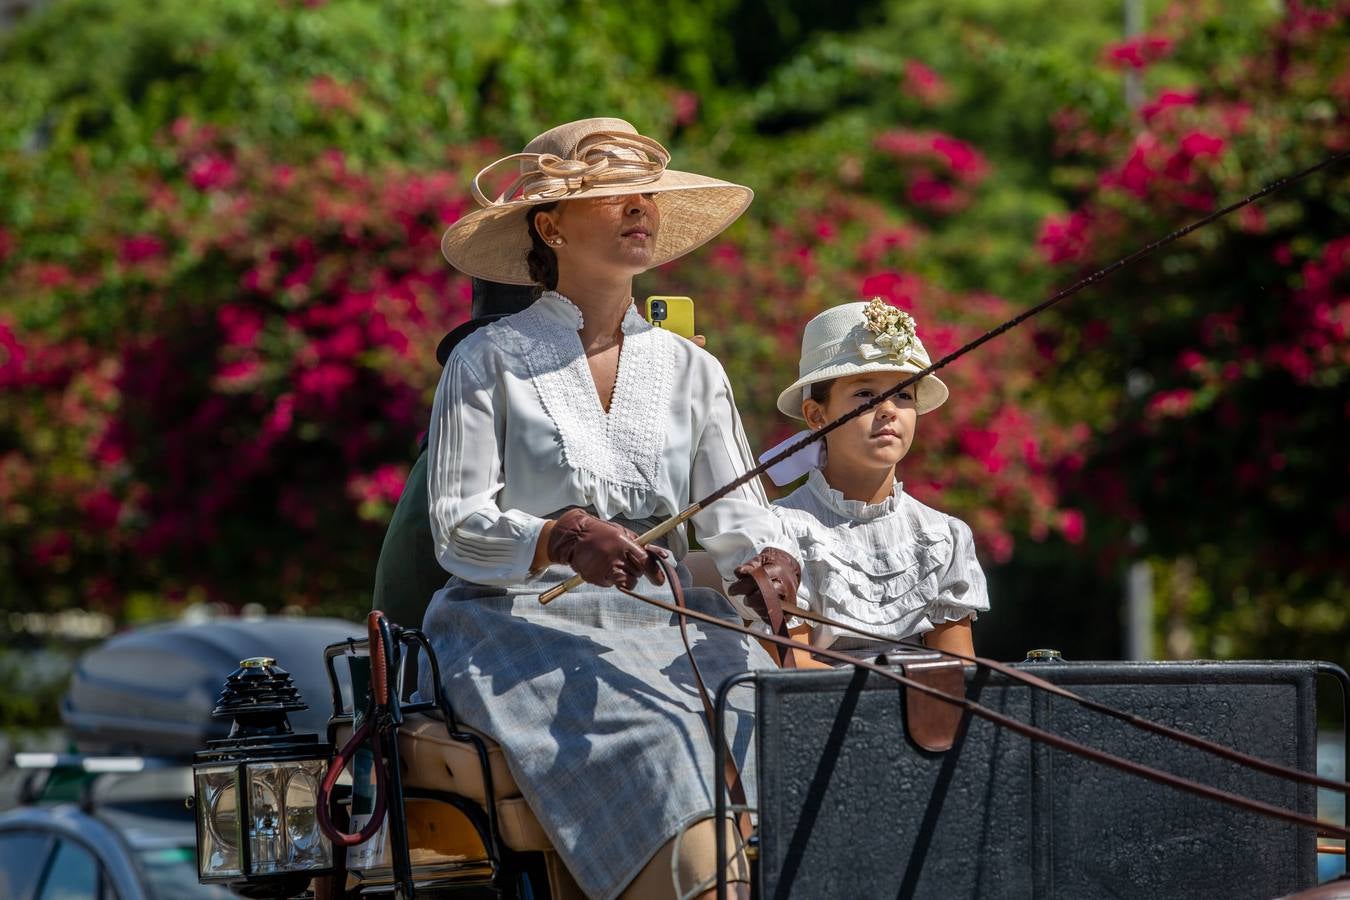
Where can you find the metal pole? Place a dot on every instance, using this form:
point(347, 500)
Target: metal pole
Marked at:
point(1134, 26)
point(1139, 611)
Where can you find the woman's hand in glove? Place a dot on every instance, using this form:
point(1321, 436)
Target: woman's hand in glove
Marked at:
point(780, 571)
point(601, 552)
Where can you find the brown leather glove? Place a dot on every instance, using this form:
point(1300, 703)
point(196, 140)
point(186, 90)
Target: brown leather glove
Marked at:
point(601, 552)
point(780, 570)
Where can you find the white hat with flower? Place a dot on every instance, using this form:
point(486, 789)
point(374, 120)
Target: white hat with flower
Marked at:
point(854, 338)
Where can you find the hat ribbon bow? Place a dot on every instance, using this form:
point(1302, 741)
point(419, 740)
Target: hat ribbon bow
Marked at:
point(601, 159)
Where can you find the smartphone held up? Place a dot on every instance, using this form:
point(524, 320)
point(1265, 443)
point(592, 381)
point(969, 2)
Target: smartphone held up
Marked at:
point(672, 313)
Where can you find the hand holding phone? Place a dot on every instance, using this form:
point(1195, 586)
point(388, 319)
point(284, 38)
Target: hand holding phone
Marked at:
point(673, 314)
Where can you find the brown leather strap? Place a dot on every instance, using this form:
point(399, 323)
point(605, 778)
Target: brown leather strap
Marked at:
point(777, 621)
point(732, 775)
point(931, 723)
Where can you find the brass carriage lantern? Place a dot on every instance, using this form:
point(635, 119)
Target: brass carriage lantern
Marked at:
point(256, 791)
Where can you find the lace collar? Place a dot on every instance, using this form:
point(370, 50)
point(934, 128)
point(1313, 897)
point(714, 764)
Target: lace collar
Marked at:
point(623, 446)
point(857, 510)
point(558, 308)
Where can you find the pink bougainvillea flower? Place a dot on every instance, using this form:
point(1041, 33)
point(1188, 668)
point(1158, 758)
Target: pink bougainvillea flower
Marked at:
point(1137, 173)
point(925, 84)
point(239, 325)
point(1073, 525)
point(1170, 404)
point(238, 374)
point(211, 172)
point(1252, 219)
point(12, 357)
point(980, 444)
point(138, 248)
point(51, 549)
point(931, 193)
point(1137, 52)
point(101, 509)
point(331, 95)
point(383, 485)
point(965, 161)
point(684, 107)
point(53, 275)
point(1166, 100)
point(1064, 238)
point(1199, 144)
point(896, 288)
point(326, 381)
point(1191, 360)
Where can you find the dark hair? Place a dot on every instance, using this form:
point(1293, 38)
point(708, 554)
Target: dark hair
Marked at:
point(540, 258)
point(820, 390)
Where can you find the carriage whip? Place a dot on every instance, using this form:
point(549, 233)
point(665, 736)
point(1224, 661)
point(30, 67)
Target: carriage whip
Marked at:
point(679, 518)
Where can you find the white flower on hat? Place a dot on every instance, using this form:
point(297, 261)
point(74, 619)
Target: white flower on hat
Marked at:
point(894, 332)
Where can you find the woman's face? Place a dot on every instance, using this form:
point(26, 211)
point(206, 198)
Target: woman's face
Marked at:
point(879, 438)
point(603, 235)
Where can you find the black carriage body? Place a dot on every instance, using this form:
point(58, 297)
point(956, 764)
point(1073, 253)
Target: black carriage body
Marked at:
point(851, 807)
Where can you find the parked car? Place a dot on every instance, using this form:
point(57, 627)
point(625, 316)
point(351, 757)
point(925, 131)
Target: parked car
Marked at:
point(126, 836)
point(110, 822)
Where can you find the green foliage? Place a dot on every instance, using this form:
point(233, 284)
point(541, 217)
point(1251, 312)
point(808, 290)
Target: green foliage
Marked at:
point(396, 80)
point(219, 284)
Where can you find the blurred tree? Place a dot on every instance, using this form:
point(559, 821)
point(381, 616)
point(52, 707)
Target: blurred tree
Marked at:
point(1217, 372)
point(219, 284)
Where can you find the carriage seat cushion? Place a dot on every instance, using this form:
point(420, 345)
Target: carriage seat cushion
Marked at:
point(431, 760)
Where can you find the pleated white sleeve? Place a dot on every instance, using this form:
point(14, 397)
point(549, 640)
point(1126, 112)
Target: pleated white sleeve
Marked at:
point(475, 539)
point(741, 524)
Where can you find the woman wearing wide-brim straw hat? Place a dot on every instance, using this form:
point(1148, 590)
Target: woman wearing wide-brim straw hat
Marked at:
point(556, 434)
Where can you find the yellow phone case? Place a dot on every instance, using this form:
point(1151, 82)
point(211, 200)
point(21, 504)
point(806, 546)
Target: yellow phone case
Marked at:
point(678, 314)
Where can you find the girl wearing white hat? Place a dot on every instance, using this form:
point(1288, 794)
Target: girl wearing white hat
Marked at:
point(556, 434)
point(871, 554)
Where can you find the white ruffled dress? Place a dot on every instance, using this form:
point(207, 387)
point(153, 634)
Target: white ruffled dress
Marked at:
point(895, 568)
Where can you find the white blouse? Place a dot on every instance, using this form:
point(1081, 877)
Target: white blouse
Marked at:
point(518, 434)
point(895, 568)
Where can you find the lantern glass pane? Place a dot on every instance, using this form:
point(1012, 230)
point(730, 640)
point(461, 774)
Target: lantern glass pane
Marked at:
point(284, 830)
point(217, 792)
point(309, 848)
point(266, 786)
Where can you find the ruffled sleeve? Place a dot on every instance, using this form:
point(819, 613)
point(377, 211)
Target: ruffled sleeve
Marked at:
point(962, 589)
point(475, 539)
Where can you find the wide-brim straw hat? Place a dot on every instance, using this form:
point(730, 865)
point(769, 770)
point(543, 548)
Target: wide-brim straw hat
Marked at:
point(588, 158)
point(856, 338)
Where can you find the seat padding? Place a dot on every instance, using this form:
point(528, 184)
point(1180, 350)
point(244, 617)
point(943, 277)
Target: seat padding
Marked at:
point(519, 827)
point(432, 761)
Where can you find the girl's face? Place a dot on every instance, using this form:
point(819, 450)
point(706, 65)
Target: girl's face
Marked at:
point(603, 235)
point(879, 438)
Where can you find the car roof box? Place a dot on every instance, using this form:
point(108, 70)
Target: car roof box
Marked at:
point(151, 691)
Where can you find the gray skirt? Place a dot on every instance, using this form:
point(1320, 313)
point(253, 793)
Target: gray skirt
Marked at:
point(594, 703)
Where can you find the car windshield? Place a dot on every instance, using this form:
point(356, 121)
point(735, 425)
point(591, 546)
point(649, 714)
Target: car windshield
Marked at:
point(171, 873)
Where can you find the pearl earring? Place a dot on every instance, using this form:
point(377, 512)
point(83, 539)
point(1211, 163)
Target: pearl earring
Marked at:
point(557, 242)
